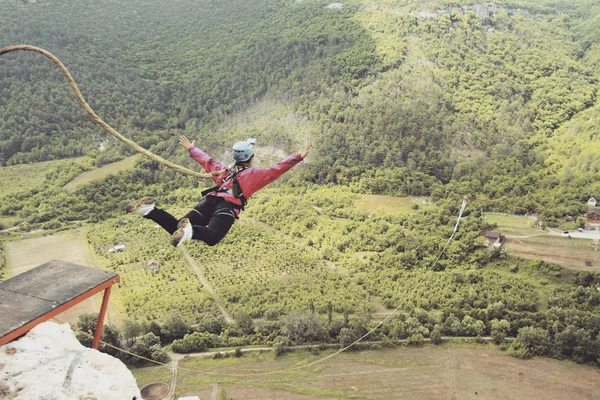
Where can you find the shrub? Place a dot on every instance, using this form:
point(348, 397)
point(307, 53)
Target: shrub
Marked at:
point(416, 339)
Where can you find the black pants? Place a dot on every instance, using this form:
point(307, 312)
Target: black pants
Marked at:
point(211, 219)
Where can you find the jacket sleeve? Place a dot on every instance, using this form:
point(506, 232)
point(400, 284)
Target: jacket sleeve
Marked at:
point(207, 162)
point(261, 177)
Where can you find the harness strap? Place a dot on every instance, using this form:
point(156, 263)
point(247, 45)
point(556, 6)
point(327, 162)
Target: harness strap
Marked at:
point(236, 190)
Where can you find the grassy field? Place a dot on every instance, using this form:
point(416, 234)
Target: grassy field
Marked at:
point(513, 225)
point(26, 254)
point(25, 176)
point(8, 222)
point(389, 204)
point(570, 253)
point(102, 172)
point(524, 240)
point(429, 372)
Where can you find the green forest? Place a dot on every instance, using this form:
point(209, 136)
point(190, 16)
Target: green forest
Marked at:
point(492, 102)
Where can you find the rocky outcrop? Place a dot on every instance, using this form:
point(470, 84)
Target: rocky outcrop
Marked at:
point(50, 363)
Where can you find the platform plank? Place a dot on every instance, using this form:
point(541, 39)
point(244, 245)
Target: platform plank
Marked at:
point(35, 293)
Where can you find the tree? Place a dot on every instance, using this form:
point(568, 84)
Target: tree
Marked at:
point(173, 327)
point(147, 346)
point(300, 326)
point(436, 335)
point(576, 344)
point(213, 324)
point(280, 344)
point(272, 314)
point(244, 322)
point(532, 341)
point(195, 342)
point(130, 329)
point(499, 330)
point(416, 339)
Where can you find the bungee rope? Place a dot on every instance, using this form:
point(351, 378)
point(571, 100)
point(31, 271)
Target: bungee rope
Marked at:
point(99, 120)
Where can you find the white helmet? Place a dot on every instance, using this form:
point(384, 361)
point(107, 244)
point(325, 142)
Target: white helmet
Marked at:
point(242, 151)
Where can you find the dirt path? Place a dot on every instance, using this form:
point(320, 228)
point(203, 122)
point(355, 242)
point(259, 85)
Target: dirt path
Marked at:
point(173, 382)
point(451, 373)
point(206, 284)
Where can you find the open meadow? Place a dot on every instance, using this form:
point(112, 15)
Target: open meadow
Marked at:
point(578, 254)
point(24, 176)
point(514, 225)
point(523, 239)
point(390, 204)
point(430, 372)
point(29, 253)
point(101, 172)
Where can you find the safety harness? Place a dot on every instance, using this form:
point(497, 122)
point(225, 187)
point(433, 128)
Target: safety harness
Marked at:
point(236, 190)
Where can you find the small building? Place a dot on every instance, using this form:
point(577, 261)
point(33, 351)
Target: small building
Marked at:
point(593, 217)
point(592, 202)
point(117, 249)
point(493, 238)
point(153, 265)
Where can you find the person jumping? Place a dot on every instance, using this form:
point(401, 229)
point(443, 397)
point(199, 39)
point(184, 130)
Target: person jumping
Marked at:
point(213, 216)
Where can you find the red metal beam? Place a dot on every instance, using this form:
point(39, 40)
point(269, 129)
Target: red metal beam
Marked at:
point(98, 332)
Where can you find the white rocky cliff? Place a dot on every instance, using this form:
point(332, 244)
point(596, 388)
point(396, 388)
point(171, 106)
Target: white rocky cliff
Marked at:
point(49, 363)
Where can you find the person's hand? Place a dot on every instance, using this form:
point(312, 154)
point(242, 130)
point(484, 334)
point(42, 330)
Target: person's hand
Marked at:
point(185, 142)
point(306, 150)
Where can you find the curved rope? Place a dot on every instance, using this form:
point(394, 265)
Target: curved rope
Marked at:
point(98, 120)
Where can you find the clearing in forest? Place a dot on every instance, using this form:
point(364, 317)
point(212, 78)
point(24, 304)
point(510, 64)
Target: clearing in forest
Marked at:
point(526, 241)
point(102, 172)
point(430, 372)
point(24, 176)
point(26, 254)
point(390, 204)
point(579, 254)
point(514, 225)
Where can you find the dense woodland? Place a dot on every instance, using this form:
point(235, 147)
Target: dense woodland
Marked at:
point(495, 102)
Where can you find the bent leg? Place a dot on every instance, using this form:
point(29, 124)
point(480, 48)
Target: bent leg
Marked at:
point(164, 219)
point(217, 227)
point(169, 222)
point(200, 214)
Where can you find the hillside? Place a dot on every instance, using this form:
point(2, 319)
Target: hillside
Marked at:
point(487, 97)
point(494, 104)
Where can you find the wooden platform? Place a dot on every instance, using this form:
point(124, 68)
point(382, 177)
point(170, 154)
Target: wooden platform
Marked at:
point(43, 292)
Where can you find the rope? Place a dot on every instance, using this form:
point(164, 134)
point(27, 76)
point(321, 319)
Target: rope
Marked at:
point(99, 121)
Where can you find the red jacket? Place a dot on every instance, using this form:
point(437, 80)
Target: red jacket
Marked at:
point(251, 180)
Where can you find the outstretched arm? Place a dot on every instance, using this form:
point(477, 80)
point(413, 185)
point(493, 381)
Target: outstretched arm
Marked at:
point(306, 150)
point(258, 178)
point(185, 142)
point(202, 158)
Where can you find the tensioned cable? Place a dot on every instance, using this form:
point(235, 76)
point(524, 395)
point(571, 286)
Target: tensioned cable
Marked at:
point(99, 121)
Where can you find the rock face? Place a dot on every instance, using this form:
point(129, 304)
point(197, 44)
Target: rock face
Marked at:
point(50, 363)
